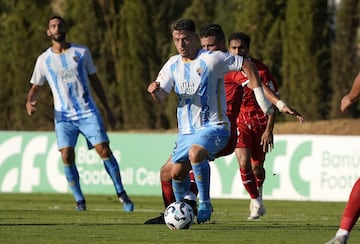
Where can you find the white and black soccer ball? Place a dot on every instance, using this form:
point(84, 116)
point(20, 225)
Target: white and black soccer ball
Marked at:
point(178, 216)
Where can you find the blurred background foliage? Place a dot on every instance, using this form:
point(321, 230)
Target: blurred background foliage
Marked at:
point(312, 47)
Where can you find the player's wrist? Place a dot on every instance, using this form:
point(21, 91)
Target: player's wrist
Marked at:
point(280, 105)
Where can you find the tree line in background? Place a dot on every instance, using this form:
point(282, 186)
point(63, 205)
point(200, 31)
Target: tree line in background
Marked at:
point(310, 46)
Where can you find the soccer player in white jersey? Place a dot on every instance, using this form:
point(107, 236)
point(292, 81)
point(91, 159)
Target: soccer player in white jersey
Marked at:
point(69, 70)
point(196, 76)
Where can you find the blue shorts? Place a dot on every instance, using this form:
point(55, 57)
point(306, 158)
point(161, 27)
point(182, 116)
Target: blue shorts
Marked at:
point(213, 139)
point(92, 128)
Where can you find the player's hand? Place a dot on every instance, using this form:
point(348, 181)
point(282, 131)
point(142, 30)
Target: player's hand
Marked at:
point(345, 104)
point(267, 141)
point(153, 87)
point(30, 107)
point(292, 111)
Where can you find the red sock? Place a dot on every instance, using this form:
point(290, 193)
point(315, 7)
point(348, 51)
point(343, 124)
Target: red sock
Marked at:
point(193, 186)
point(167, 193)
point(249, 183)
point(352, 209)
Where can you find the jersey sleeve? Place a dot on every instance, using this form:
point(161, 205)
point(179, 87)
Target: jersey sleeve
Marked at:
point(38, 77)
point(89, 63)
point(222, 62)
point(165, 77)
point(234, 62)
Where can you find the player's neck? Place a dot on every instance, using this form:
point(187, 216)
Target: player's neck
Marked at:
point(60, 47)
point(191, 57)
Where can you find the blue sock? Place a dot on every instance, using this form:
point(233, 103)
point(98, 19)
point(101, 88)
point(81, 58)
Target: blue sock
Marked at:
point(181, 188)
point(112, 168)
point(72, 177)
point(202, 178)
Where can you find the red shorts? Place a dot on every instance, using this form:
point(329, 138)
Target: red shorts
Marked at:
point(230, 147)
point(251, 138)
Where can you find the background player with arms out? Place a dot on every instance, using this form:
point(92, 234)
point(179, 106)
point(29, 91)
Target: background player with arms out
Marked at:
point(69, 70)
point(352, 209)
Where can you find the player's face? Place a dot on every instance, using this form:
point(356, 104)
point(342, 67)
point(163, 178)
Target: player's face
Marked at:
point(185, 43)
point(56, 30)
point(238, 47)
point(209, 43)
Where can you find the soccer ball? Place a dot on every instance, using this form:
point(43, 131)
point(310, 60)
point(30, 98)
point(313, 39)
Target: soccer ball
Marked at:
point(178, 216)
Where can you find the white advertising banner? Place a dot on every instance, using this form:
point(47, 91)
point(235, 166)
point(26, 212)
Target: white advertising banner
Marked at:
point(300, 167)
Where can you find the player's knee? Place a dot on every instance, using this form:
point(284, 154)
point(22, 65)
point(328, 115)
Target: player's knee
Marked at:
point(68, 155)
point(103, 150)
point(165, 173)
point(258, 170)
point(244, 164)
point(197, 154)
point(179, 173)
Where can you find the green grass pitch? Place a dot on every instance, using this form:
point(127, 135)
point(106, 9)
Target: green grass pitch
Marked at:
point(51, 218)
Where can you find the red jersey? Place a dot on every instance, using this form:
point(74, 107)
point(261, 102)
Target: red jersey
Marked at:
point(250, 112)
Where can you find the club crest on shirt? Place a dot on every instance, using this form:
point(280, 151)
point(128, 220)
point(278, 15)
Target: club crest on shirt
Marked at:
point(76, 58)
point(200, 70)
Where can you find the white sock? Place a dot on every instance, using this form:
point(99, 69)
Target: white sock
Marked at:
point(190, 196)
point(257, 201)
point(342, 232)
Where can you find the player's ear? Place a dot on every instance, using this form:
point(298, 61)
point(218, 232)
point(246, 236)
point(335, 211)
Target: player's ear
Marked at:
point(48, 32)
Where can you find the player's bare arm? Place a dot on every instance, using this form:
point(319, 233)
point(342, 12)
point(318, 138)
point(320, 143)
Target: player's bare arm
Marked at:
point(251, 72)
point(32, 99)
point(281, 105)
point(157, 93)
point(255, 84)
point(99, 90)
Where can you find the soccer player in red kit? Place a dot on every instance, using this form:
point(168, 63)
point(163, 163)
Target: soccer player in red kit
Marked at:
point(255, 128)
point(352, 210)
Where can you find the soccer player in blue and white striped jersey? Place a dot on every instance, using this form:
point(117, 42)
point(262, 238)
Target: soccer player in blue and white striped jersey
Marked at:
point(69, 71)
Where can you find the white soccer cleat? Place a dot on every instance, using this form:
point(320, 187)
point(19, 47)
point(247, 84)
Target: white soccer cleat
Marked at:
point(338, 240)
point(256, 211)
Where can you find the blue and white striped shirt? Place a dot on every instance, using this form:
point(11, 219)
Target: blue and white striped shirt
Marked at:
point(67, 75)
point(199, 86)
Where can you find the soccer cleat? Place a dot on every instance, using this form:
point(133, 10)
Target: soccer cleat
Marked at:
point(193, 205)
point(156, 221)
point(338, 240)
point(128, 205)
point(204, 212)
point(256, 211)
point(81, 205)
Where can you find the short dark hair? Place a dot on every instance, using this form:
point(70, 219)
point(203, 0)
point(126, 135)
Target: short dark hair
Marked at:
point(212, 30)
point(56, 17)
point(240, 36)
point(183, 24)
